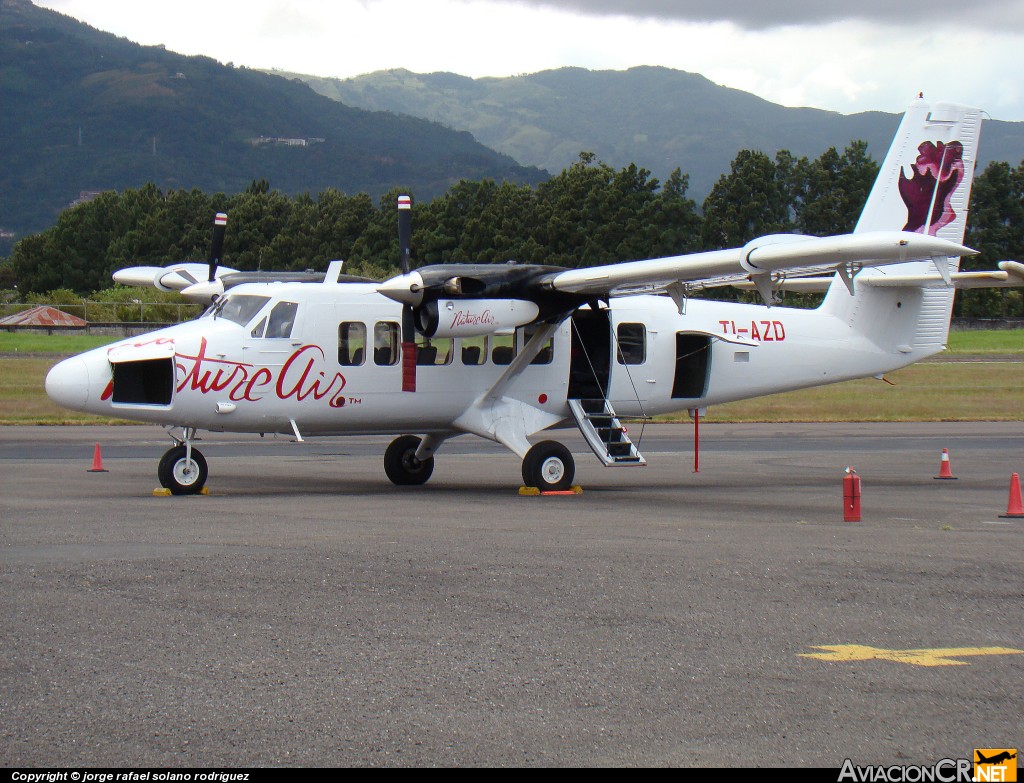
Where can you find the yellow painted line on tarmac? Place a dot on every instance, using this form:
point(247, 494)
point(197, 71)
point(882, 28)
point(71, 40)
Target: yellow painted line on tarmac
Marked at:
point(937, 657)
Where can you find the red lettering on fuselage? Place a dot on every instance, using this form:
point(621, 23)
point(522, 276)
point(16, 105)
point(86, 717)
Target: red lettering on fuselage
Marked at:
point(204, 378)
point(761, 331)
point(155, 341)
point(301, 376)
point(300, 379)
point(262, 377)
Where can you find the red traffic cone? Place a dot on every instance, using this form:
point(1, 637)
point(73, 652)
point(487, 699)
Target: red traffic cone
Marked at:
point(851, 496)
point(945, 472)
point(97, 461)
point(1015, 508)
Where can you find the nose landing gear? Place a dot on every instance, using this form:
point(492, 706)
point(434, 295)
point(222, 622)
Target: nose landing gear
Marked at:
point(183, 469)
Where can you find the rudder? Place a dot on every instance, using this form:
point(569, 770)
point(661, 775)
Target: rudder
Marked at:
point(923, 186)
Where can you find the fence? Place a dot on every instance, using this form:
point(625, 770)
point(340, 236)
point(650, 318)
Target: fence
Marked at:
point(965, 324)
point(116, 313)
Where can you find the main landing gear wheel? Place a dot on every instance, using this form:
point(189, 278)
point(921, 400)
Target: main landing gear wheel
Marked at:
point(401, 465)
point(182, 476)
point(549, 467)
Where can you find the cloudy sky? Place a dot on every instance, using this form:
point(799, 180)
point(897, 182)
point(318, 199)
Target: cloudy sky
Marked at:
point(831, 54)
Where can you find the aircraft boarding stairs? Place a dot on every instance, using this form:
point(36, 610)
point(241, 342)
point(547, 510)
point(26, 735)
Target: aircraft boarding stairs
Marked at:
point(605, 434)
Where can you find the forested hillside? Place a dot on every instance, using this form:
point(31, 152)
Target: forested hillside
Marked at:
point(85, 111)
point(658, 118)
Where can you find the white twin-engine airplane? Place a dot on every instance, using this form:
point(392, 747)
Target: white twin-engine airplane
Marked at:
point(505, 351)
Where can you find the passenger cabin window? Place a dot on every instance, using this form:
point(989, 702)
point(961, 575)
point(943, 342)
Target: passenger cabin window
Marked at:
point(433, 351)
point(632, 344)
point(474, 350)
point(385, 343)
point(351, 343)
point(504, 349)
point(281, 321)
point(547, 351)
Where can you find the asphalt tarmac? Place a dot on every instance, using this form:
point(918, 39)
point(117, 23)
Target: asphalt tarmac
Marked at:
point(308, 613)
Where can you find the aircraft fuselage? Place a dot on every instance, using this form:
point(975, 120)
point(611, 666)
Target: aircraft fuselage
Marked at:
point(338, 370)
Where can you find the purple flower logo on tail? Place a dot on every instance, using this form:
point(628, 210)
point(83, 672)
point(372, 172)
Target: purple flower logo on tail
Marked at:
point(938, 171)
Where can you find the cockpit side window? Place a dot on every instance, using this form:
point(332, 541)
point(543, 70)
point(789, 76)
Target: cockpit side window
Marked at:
point(239, 308)
point(282, 319)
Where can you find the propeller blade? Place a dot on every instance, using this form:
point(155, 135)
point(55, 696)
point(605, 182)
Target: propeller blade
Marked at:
point(408, 324)
point(404, 232)
point(220, 224)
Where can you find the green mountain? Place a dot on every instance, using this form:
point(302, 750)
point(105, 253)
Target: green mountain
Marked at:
point(658, 118)
point(83, 110)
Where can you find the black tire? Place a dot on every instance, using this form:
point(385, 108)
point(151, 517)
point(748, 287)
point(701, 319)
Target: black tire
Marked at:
point(401, 465)
point(549, 467)
point(178, 476)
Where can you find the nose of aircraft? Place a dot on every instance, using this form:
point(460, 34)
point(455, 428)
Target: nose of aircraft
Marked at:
point(67, 383)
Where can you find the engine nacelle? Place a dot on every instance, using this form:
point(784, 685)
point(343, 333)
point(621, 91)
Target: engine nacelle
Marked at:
point(473, 317)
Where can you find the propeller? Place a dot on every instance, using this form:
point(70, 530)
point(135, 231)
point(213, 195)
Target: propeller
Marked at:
point(408, 316)
point(220, 224)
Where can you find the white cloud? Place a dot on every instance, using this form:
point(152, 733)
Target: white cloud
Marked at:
point(844, 66)
point(760, 15)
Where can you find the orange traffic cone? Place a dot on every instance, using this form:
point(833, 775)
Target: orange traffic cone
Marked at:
point(97, 461)
point(1015, 508)
point(945, 472)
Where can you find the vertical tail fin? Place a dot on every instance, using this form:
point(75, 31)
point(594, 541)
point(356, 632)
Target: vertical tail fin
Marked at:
point(925, 181)
point(923, 186)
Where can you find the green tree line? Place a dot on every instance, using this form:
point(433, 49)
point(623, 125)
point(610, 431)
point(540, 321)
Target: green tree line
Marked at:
point(588, 214)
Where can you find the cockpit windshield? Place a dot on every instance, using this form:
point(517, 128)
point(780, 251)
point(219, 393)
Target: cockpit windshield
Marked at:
point(239, 308)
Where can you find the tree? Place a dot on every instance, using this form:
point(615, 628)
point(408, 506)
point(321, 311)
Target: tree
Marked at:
point(751, 201)
point(996, 229)
point(673, 225)
point(588, 214)
point(833, 189)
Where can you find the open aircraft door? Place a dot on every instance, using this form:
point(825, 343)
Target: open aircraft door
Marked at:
point(590, 365)
point(693, 365)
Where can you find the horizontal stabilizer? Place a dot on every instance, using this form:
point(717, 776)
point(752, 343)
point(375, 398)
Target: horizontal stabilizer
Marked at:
point(1009, 275)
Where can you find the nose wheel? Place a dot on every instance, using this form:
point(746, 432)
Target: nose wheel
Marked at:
point(183, 470)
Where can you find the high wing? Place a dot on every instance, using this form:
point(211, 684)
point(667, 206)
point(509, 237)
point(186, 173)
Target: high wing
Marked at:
point(758, 261)
point(915, 217)
point(173, 277)
point(189, 279)
point(182, 277)
point(203, 283)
